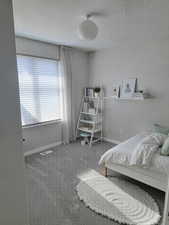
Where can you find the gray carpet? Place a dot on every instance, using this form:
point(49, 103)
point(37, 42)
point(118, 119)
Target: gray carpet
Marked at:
point(51, 182)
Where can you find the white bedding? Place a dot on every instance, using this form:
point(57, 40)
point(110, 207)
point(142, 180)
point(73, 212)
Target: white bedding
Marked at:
point(122, 154)
point(143, 154)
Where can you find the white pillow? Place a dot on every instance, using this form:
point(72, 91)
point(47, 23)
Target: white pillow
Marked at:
point(146, 148)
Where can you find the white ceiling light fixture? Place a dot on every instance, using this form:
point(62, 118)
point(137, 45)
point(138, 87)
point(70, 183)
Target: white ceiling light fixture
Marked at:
point(87, 30)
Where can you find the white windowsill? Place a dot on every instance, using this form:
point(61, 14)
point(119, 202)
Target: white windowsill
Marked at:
point(42, 124)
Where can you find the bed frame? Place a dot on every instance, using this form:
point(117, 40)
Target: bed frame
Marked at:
point(156, 180)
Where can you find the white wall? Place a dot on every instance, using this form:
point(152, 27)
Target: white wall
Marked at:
point(12, 189)
point(37, 137)
point(40, 136)
point(143, 52)
point(80, 77)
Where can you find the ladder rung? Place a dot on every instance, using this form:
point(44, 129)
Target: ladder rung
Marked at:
point(89, 131)
point(88, 121)
point(92, 114)
point(98, 98)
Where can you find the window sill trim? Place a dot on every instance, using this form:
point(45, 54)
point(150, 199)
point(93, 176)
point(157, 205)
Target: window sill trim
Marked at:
point(42, 124)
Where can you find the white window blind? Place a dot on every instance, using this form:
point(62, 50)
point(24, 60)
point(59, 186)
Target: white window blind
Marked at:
point(40, 91)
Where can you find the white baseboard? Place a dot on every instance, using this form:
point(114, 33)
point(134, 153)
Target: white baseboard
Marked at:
point(111, 141)
point(43, 148)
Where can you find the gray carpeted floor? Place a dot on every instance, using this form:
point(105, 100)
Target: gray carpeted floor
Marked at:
point(51, 182)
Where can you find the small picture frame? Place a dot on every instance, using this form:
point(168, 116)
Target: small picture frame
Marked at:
point(128, 88)
point(89, 92)
point(116, 91)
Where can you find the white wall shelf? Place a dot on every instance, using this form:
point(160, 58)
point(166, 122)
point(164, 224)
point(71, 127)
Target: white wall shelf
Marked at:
point(127, 99)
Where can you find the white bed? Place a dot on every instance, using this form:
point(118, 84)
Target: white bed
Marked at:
point(156, 175)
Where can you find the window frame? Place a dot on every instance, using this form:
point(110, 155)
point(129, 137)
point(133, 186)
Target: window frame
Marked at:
point(40, 123)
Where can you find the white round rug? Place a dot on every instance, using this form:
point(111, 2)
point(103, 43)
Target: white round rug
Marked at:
point(117, 199)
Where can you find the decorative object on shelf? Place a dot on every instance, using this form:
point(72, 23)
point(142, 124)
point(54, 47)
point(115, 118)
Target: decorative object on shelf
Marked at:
point(89, 92)
point(128, 88)
point(97, 91)
point(138, 95)
point(92, 110)
point(85, 107)
point(116, 91)
point(88, 30)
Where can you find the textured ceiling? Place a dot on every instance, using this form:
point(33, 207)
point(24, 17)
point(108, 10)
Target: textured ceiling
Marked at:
point(56, 21)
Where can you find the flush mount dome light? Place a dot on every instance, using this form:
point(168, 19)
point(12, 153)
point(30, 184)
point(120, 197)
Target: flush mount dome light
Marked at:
point(87, 30)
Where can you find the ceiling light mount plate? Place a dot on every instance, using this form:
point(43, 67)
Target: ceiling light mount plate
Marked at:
point(92, 14)
point(88, 16)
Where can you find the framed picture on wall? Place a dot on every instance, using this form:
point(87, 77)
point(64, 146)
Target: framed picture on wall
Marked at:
point(128, 88)
point(116, 91)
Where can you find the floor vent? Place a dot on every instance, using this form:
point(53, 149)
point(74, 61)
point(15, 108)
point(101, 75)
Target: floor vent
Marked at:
point(46, 152)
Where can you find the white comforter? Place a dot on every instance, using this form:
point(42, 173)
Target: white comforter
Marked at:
point(145, 154)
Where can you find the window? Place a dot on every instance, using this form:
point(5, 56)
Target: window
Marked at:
point(39, 87)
